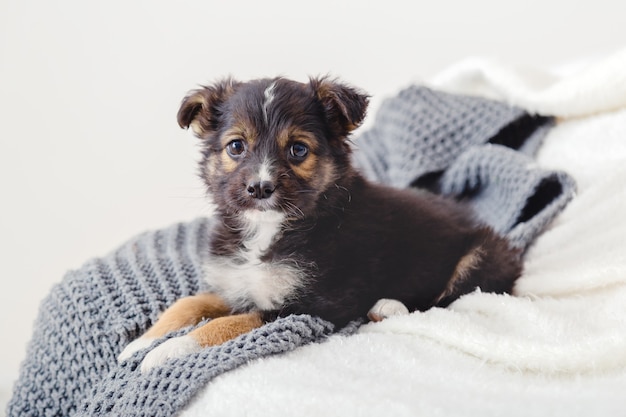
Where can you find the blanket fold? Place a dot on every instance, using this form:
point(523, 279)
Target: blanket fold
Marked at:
point(515, 197)
point(467, 147)
point(597, 87)
point(71, 366)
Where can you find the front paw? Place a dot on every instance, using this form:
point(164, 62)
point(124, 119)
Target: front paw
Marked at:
point(170, 349)
point(134, 346)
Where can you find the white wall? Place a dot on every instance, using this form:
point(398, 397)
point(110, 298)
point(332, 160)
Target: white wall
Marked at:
point(90, 152)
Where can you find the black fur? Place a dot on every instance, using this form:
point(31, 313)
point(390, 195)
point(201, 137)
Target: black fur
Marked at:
point(356, 241)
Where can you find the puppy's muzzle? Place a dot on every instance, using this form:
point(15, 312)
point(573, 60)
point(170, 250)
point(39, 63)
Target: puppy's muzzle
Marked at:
point(261, 189)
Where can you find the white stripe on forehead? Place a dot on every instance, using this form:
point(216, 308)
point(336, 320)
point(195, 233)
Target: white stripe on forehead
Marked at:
point(265, 171)
point(269, 97)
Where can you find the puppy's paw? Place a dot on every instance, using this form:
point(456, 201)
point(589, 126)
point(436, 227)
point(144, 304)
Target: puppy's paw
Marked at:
point(134, 346)
point(170, 349)
point(386, 307)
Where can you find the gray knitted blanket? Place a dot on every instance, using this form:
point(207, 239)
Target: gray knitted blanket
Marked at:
point(471, 148)
point(420, 137)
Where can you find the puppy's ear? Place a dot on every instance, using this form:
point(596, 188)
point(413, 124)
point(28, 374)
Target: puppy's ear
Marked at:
point(345, 106)
point(201, 109)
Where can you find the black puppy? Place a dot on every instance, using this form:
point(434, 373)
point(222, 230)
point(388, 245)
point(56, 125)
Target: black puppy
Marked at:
point(299, 230)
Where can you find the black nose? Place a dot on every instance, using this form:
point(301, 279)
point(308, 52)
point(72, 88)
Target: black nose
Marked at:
point(261, 190)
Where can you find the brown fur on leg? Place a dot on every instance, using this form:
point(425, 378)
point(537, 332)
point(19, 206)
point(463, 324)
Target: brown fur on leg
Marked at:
point(226, 328)
point(464, 268)
point(188, 311)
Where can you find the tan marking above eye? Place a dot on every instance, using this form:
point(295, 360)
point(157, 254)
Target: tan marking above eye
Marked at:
point(239, 130)
point(283, 138)
point(288, 136)
point(309, 140)
point(231, 136)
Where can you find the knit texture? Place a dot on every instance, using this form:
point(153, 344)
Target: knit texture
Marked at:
point(88, 318)
point(467, 147)
point(94, 312)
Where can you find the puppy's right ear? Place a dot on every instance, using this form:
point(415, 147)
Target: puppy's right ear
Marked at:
point(201, 109)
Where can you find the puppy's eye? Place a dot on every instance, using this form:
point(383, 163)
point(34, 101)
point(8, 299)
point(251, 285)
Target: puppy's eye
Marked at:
point(298, 150)
point(236, 148)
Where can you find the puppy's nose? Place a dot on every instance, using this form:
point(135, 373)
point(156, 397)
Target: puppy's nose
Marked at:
point(261, 189)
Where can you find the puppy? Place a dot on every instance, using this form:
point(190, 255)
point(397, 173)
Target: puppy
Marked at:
point(299, 230)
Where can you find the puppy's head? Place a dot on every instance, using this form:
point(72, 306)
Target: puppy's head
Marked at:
point(273, 144)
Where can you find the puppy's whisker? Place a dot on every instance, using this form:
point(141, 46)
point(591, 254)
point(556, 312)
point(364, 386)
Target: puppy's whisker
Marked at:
point(339, 187)
point(295, 210)
point(291, 209)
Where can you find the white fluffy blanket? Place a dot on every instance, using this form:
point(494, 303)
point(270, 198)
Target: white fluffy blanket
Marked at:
point(556, 348)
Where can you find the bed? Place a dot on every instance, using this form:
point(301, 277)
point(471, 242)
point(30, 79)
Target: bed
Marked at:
point(556, 347)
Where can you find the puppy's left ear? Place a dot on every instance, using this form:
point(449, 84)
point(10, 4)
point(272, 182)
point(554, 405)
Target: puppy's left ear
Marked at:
point(345, 106)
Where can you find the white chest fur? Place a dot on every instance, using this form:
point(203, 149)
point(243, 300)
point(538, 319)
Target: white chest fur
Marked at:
point(245, 281)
